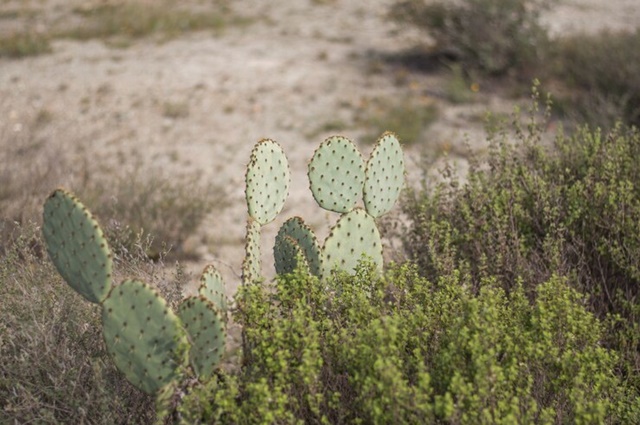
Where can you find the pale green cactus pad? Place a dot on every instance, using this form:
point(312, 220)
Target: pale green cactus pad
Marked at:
point(307, 241)
point(144, 337)
point(205, 327)
point(77, 246)
point(212, 288)
point(336, 174)
point(288, 255)
point(252, 265)
point(354, 236)
point(267, 181)
point(384, 175)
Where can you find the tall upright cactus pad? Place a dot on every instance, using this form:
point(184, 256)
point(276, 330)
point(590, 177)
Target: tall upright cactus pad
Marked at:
point(305, 239)
point(251, 266)
point(145, 338)
point(205, 327)
point(288, 256)
point(212, 288)
point(384, 175)
point(355, 235)
point(77, 246)
point(336, 174)
point(267, 181)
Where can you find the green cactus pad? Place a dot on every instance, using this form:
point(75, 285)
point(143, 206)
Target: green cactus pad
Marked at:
point(77, 246)
point(336, 174)
point(355, 235)
point(384, 175)
point(288, 255)
point(252, 266)
point(267, 181)
point(205, 327)
point(144, 337)
point(212, 288)
point(306, 239)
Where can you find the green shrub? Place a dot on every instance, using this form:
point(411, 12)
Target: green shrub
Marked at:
point(602, 72)
point(402, 349)
point(490, 36)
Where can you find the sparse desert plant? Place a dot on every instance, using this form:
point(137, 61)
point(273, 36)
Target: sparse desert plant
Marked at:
point(491, 36)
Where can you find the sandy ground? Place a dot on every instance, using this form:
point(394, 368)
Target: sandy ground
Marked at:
point(299, 65)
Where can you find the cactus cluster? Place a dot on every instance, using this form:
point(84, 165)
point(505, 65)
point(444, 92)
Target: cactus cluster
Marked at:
point(152, 345)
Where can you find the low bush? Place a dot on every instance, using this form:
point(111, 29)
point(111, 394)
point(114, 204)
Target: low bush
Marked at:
point(403, 349)
point(494, 37)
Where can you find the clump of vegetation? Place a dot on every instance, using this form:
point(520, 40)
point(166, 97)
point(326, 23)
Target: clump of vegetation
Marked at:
point(403, 349)
point(571, 209)
point(23, 44)
point(495, 37)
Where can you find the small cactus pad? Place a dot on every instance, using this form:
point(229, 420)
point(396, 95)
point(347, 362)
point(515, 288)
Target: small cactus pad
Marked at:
point(212, 288)
point(288, 255)
point(306, 239)
point(336, 174)
point(384, 175)
point(77, 246)
point(252, 266)
point(267, 181)
point(205, 328)
point(144, 337)
point(355, 235)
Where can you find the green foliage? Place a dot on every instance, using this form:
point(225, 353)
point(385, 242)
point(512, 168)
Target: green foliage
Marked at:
point(492, 36)
point(401, 349)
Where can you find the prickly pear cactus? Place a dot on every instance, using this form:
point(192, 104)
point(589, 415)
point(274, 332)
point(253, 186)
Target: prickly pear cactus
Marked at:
point(77, 246)
point(289, 256)
point(303, 237)
point(205, 326)
point(355, 235)
point(144, 337)
point(384, 175)
point(212, 288)
point(251, 266)
point(336, 174)
point(267, 181)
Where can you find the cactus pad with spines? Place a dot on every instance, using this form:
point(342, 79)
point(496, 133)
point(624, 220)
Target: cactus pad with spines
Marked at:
point(205, 326)
point(212, 288)
point(144, 337)
point(77, 246)
point(288, 256)
point(251, 266)
point(384, 175)
point(306, 239)
point(267, 181)
point(355, 235)
point(336, 174)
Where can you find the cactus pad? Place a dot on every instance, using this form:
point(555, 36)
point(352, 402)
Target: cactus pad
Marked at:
point(336, 174)
point(77, 246)
point(288, 255)
point(251, 266)
point(212, 288)
point(144, 337)
point(267, 181)
point(305, 239)
point(384, 175)
point(205, 328)
point(355, 235)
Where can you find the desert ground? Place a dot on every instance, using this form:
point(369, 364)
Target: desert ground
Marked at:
point(295, 71)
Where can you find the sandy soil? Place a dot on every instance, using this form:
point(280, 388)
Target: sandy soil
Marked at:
point(299, 65)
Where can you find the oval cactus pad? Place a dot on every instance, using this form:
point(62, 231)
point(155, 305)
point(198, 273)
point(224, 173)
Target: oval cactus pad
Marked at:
point(205, 328)
point(305, 239)
point(288, 255)
point(77, 246)
point(144, 337)
point(267, 181)
point(384, 175)
point(336, 174)
point(212, 288)
point(355, 235)
point(252, 264)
